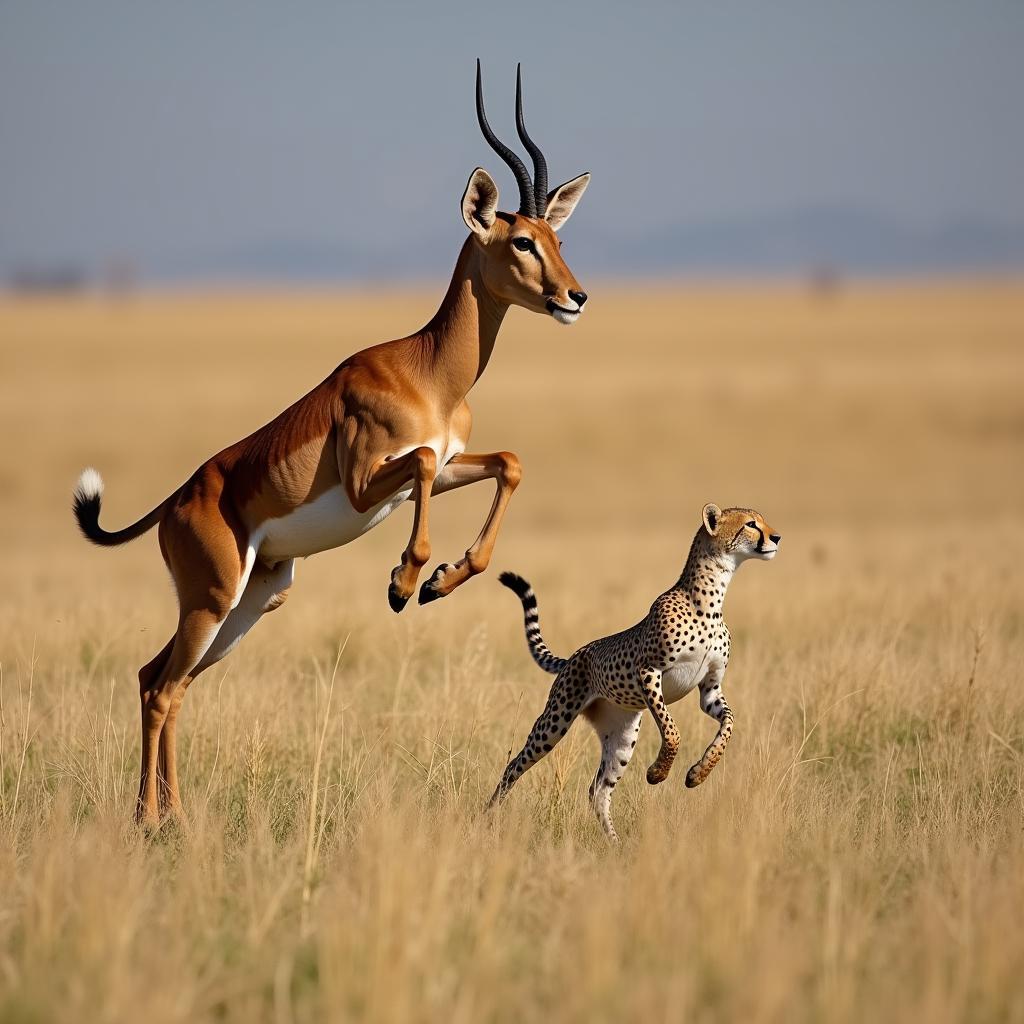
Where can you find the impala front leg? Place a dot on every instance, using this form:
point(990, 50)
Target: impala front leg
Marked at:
point(419, 465)
point(464, 469)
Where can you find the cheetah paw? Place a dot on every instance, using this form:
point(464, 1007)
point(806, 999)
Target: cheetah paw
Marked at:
point(656, 775)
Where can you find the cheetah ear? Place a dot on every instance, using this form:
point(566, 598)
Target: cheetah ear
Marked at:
point(712, 514)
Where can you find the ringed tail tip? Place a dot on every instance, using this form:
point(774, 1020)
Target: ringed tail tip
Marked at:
point(515, 583)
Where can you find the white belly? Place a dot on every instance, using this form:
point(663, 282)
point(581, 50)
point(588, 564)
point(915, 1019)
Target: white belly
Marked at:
point(679, 680)
point(330, 520)
point(320, 525)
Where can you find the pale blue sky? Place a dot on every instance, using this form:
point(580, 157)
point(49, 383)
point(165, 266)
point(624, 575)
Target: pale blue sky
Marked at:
point(186, 131)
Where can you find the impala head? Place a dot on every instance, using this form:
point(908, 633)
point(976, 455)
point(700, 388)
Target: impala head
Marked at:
point(522, 262)
point(739, 533)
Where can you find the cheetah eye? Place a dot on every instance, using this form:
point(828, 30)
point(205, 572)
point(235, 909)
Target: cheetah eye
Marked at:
point(752, 524)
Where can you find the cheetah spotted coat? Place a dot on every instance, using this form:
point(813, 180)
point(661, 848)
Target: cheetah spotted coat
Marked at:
point(682, 643)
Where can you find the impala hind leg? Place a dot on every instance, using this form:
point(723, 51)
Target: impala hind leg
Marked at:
point(149, 675)
point(197, 628)
point(267, 588)
point(502, 467)
point(570, 694)
point(617, 728)
point(210, 564)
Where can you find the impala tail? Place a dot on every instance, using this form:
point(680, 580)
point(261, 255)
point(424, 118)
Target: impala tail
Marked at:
point(540, 651)
point(86, 506)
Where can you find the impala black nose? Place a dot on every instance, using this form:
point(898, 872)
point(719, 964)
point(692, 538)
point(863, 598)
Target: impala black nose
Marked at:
point(775, 537)
point(578, 297)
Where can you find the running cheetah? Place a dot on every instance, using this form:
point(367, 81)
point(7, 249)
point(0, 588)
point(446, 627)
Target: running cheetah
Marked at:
point(682, 643)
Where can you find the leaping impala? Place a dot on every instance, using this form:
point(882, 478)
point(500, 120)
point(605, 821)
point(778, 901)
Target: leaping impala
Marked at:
point(390, 423)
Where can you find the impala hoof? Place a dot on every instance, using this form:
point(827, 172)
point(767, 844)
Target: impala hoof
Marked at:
point(429, 591)
point(428, 594)
point(396, 600)
point(147, 822)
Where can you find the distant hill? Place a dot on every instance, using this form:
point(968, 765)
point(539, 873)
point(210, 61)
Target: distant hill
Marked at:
point(848, 239)
point(838, 239)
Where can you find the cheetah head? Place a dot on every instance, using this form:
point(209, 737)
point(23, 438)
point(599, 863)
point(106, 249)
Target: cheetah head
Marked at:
point(739, 533)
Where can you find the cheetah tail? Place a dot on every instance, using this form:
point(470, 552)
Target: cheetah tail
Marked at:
point(541, 654)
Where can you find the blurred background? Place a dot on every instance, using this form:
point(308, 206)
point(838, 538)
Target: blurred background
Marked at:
point(330, 142)
point(805, 229)
point(803, 245)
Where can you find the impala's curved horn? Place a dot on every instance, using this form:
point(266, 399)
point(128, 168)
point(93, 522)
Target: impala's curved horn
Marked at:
point(540, 165)
point(527, 199)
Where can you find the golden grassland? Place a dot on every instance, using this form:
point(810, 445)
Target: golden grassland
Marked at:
point(857, 855)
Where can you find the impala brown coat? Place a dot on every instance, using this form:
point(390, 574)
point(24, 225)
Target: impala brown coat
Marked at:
point(389, 424)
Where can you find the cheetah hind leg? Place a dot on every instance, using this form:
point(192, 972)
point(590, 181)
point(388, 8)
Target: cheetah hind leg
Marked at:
point(617, 728)
point(568, 697)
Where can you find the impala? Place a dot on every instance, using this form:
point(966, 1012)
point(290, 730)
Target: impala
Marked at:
point(389, 424)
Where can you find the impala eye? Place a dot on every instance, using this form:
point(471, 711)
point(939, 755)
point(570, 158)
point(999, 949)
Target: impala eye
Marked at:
point(523, 244)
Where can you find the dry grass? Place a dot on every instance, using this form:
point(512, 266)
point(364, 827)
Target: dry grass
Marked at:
point(857, 855)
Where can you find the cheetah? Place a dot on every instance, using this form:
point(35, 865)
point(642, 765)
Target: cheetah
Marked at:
point(682, 643)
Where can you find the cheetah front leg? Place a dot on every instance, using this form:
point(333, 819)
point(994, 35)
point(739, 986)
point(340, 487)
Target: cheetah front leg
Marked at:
point(713, 703)
point(650, 684)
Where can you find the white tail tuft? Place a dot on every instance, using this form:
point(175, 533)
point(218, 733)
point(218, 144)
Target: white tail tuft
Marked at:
point(90, 485)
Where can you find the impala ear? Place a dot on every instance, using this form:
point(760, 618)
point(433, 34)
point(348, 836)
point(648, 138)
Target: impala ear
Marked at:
point(479, 202)
point(562, 201)
point(712, 515)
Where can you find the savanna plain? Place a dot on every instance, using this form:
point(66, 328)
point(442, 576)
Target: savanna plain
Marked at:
point(857, 855)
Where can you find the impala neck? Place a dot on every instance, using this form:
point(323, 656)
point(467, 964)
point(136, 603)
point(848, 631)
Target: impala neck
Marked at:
point(460, 337)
